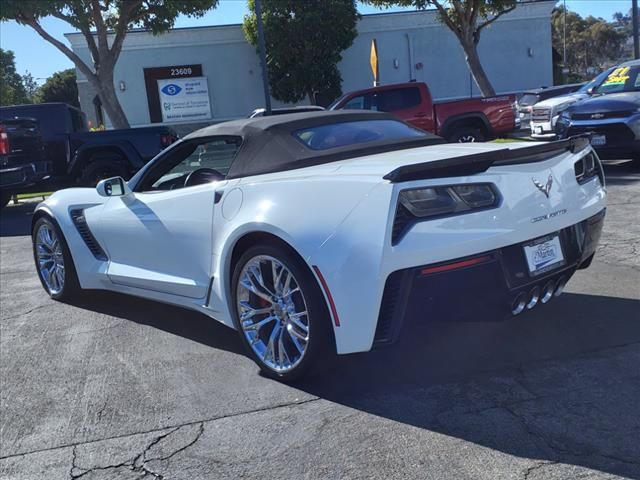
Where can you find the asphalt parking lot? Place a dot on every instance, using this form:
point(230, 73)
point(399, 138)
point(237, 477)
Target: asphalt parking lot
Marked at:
point(114, 387)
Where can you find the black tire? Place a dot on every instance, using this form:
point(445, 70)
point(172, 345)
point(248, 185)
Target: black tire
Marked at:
point(4, 199)
point(466, 135)
point(319, 350)
point(101, 169)
point(71, 286)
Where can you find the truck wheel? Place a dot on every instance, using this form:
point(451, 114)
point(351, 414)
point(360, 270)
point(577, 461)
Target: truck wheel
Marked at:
point(101, 169)
point(4, 199)
point(465, 135)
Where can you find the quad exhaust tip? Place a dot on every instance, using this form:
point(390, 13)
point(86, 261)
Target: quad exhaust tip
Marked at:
point(547, 292)
point(537, 295)
point(534, 296)
point(519, 304)
point(559, 287)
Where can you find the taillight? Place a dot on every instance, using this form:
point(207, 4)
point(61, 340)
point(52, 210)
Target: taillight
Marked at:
point(588, 167)
point(166, 140)
point(417, 204)
point(4, 142)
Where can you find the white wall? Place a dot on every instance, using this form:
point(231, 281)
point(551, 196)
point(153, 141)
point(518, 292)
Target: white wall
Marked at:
point(233, 69)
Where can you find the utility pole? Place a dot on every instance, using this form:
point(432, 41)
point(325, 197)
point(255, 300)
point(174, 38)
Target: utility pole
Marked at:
point(263, 58)
point(636, 45)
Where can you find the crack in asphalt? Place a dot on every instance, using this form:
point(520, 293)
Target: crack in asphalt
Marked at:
point(136, 463)
point(52, 332)
point(25, 313)
point(139, 463)
point(558, 450)
point(172, 427)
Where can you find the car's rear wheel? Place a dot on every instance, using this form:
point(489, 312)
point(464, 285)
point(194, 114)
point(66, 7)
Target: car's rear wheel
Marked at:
point(53, 260)
point(280, 312)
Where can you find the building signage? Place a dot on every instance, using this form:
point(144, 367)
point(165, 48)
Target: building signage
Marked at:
point(184, 99)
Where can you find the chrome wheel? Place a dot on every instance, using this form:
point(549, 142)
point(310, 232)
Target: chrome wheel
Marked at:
point(272, 313)
point(466, 139)
point(49, 258)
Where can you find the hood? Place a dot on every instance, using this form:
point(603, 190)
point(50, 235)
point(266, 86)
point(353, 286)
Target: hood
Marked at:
point(562, 99)
point(613, 102)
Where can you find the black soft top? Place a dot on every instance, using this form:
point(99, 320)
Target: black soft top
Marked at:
point(269, 144)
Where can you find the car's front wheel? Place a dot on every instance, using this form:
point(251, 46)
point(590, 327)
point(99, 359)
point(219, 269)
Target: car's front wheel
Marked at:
point(53, 260)
point(280, 312)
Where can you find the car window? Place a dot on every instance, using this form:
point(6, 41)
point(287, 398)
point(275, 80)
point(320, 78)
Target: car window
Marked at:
point(213, 154)
point(396, 99)
point(335, 135)
point(78, 120)
point(356, 103)
point(528, 99)
point(622, 79)
point(595, 82)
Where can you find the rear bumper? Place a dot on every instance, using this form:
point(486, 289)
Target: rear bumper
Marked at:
point(16, 177)
point(482, 287)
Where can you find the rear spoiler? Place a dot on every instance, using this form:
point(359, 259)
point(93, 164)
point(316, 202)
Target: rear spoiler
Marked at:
point(481, 162)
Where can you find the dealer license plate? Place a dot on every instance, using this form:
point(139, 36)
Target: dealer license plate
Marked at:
point(598, 140)
point(544, 254)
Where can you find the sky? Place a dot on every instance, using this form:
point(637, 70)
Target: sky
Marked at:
point(41, 59)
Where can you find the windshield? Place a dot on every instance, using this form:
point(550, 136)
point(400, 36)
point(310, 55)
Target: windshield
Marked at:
point(622, 79)
point(595, 82)
point(528, 99)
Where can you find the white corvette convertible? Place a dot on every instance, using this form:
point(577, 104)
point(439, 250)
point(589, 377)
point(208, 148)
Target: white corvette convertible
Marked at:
point(321, 232)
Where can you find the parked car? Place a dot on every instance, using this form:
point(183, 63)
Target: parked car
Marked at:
point(249, 223)
point(79, 155)
point(469, 120)
point(529, 98)
point(545, 114)
point(260, 112)
point(613, 119)
point(22, 158)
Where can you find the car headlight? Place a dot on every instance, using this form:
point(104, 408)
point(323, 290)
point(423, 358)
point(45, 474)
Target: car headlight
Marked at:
point(446, 200)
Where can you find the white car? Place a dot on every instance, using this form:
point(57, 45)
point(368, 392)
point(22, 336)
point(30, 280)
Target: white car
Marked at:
point(318, 232)
point(545, 114)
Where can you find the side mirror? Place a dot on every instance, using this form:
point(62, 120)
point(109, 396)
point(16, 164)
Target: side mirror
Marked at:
point(590, 90)
point(113, 187)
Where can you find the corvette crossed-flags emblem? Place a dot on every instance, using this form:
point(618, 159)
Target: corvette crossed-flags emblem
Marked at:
point(546, 189)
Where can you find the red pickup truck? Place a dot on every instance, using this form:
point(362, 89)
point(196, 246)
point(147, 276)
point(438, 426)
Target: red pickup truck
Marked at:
point(468, 120)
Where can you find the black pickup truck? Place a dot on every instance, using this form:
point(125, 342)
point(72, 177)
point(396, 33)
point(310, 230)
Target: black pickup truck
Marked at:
point(22, 157)
point(80, 156)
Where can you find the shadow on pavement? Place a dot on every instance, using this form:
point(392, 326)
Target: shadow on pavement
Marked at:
point(15, 220)
point(175, 320)
point(525, 387)
point(558, 384)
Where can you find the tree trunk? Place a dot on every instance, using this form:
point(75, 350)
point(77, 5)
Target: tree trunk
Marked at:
point(106, 91)
point(312, 97)
point(475, 67)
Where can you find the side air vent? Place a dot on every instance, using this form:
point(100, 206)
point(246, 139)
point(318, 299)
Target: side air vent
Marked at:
point(394, 301)
point(79, 221)
point(588, 167)
point(401, 223)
